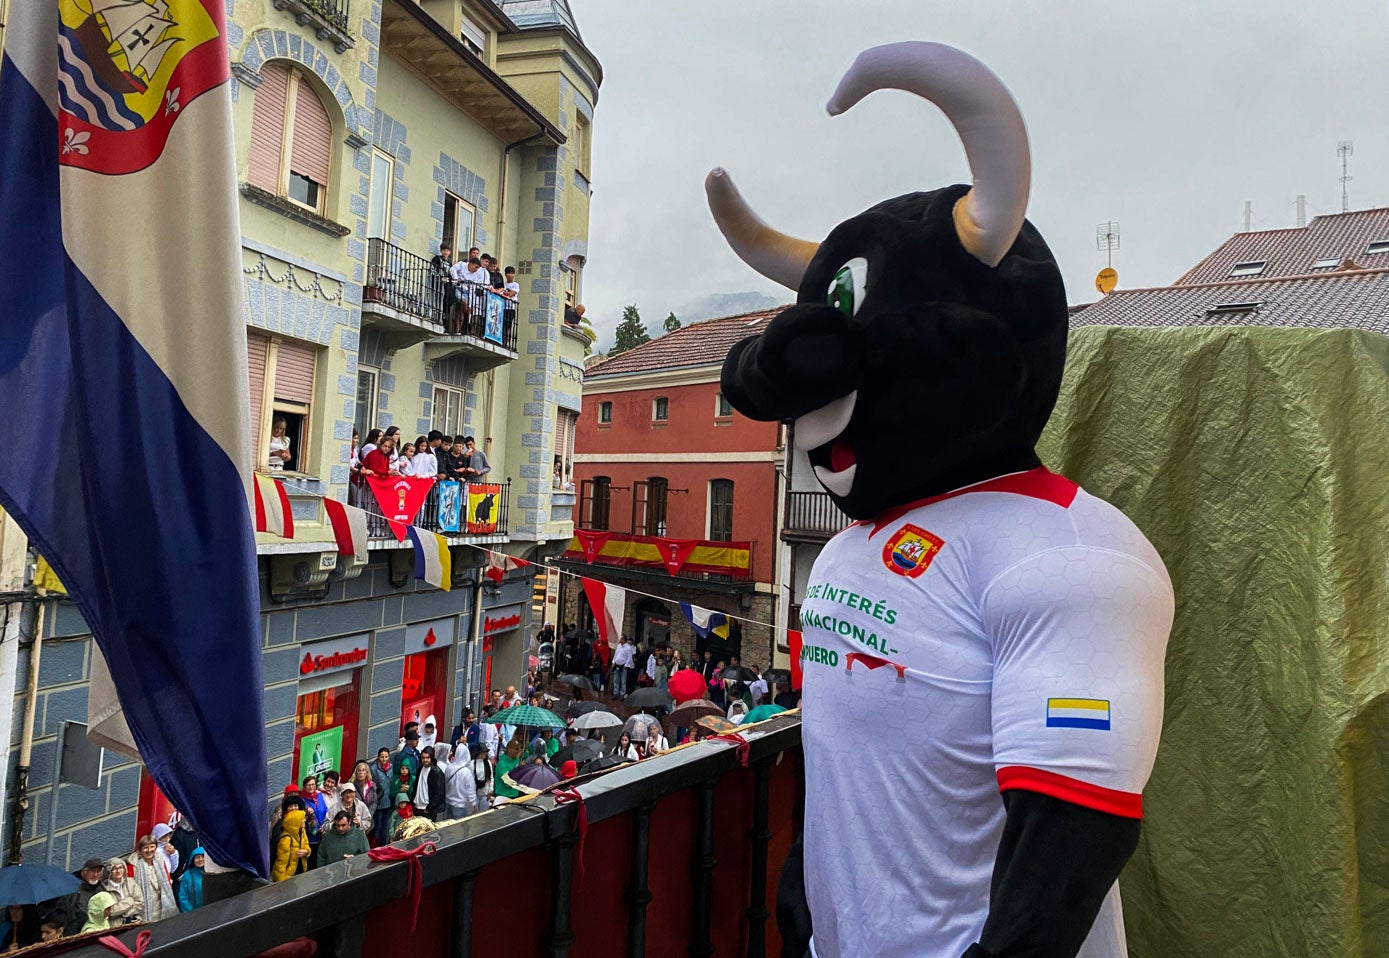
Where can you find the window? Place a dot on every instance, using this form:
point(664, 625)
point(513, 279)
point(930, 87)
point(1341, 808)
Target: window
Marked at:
point(1220, 308)
point(721, 510)
point(382, 190)
point(474, 38)
point(459, 218)
point(565, 425)
point(448, 410)
point(282, 376)
point(649, 506)
point(291, 138)
point(571, 285)
point(1327, 262)
point(1251, 268)
point(580, 144)
point(605, 412)
point(1378, 246)
point(660, 409)
point(367, 393)
point(722, 407)
point(595, 498)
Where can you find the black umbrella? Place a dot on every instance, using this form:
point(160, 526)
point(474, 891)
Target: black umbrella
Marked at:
point(581, 751)
point(583, 708)
point(603, 763)
point(577, 681)
point(777, 675)
point(649, 698)
point(738, 673)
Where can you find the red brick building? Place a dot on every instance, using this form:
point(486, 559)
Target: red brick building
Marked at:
point(678, 495)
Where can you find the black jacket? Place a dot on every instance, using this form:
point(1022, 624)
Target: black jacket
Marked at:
point(436, 791)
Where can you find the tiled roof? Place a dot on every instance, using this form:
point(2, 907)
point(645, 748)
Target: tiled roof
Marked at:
point(698, 344)
point(1356, 299)
point(540, 13)
point(1292, 252)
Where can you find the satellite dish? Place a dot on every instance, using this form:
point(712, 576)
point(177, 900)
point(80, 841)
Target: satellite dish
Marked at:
point(1107, 279)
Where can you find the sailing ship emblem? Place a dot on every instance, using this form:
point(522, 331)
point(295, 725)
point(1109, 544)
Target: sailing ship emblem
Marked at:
point(127, 70)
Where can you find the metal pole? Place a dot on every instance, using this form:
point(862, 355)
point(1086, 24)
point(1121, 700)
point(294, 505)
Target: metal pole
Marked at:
point(53, 799)
point(474, 645)
point(26, 742)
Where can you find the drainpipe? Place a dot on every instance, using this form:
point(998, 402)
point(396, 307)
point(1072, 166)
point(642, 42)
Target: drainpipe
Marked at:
point(500, 247)
point(470, 689)
point(14, 632)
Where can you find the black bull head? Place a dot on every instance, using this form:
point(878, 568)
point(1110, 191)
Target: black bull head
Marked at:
point(928, 338)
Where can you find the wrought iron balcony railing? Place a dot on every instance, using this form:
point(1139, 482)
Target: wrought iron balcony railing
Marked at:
point(428, 517)
point(704, 559)
point(329, 17)
point(813, 515)
point(407, 283)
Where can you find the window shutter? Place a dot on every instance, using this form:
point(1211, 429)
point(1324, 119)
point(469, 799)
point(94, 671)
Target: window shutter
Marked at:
point(268, 127)
point(294, 372)
point(313, 136)
point(256, 347)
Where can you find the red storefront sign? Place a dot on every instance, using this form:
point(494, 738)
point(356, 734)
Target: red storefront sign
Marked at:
point(333, 661)
point(501, 623)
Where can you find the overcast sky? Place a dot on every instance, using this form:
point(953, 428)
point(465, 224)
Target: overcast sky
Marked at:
point(1163, 117)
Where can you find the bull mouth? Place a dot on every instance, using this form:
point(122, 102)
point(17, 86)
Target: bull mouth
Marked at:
point(820, 435)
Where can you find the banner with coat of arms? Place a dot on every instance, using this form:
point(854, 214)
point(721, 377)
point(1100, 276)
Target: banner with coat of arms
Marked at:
point(400, 498)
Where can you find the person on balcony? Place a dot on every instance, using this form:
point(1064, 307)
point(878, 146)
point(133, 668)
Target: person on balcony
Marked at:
point(471, 279)
point(393, 434)
point(511, 289)
point(494, 272)
point(441, 283)
point(458, 461)
point(377, 462)
point(573, 315)
point(280, 454)
point(477, 466)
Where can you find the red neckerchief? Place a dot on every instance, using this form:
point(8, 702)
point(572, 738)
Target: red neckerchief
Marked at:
point(116, 945)
point(742, 745)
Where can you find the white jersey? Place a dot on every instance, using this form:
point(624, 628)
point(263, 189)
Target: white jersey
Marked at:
point(1006, 635)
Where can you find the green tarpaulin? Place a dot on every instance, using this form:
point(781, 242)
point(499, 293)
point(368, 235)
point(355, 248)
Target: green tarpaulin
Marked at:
point(1257, 462)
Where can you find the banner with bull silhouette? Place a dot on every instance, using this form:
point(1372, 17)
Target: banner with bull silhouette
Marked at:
point(484, 502)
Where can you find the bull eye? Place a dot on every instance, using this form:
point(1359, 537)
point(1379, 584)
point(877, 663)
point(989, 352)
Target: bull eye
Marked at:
point(849, 286)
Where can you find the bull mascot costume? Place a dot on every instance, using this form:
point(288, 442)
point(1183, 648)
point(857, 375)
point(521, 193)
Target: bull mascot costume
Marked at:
point(983, 647)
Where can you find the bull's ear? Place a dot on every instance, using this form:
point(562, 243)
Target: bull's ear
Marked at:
point(989, 216)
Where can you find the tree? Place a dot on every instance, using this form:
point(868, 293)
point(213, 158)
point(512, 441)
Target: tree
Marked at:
point(590, 333)
point(630, 332)
point(671, 324)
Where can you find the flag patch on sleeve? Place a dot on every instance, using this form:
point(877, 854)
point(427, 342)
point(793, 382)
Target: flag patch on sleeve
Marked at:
point(1078, 713)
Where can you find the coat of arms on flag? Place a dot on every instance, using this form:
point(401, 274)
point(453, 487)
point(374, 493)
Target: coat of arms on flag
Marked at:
point(127, 69)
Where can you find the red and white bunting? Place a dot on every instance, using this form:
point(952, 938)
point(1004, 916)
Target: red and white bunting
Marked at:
point(349, 528)
point(272, 507)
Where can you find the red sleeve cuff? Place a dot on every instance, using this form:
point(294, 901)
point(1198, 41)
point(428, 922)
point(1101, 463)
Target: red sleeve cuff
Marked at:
point(1101, 799)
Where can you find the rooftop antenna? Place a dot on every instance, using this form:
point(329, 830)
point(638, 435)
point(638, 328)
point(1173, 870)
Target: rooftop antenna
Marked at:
point(1345, 150)
point(1301, 209)
point(1107, 241)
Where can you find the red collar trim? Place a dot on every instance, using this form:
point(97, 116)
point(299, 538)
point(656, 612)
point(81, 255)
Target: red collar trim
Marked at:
point(1039, 483)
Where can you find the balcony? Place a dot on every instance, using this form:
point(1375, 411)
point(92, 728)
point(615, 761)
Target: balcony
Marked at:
point(327, 17)
point(686, 561)
point(812, 517)
point(409, 302)
point(428, 517)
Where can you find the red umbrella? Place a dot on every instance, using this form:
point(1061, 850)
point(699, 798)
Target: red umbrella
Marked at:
point(685, 685)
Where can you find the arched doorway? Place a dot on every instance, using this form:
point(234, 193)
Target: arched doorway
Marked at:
point(653, 622)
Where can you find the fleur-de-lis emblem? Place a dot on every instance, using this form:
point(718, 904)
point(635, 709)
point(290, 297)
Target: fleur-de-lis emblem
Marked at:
point(74, 142)
point(171, 104)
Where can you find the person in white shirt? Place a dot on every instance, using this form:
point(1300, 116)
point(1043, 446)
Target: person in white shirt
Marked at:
point(622, 664)
point(490, 737)
point(279, 445)
point(758, 689)
point(651, 666)
point(511, 289)
point(405, 465)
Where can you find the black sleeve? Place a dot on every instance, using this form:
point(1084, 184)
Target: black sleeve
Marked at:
point(1056, 862)
point(792, 912)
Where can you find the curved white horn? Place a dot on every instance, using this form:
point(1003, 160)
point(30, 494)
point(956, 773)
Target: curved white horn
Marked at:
point(778, 257)
point(984, 113)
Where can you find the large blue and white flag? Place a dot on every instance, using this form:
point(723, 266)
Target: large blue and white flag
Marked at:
point(706, 622)
point(122, 341)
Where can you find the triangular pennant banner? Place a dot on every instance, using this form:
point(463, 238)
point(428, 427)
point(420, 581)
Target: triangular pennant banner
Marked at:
point(674, 552)
point(592, 542)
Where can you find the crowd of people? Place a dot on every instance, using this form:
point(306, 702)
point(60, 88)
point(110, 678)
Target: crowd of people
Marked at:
point(461, 285)
point(436, 455)
point(161, 877)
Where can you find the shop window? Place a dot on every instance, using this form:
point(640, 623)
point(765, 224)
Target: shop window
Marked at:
point(595, 499)
point(721, 510)
point(151, 808)
point(291, 138)
point(327, 716)
point(424, 691)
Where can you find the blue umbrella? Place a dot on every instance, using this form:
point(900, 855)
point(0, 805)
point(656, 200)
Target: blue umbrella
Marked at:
point(31, 884)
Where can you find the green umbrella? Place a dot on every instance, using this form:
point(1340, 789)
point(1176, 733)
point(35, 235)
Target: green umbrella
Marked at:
point(762, 712)
point(528, 716)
